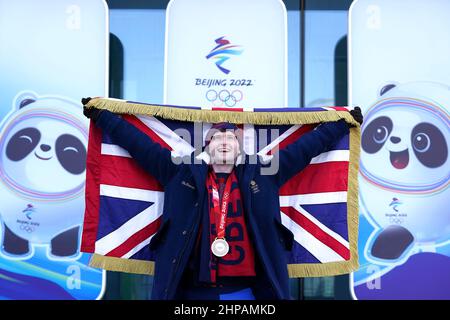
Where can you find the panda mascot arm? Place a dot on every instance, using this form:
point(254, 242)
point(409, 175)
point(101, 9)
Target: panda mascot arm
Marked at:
point(150, 155)
point(298, 155)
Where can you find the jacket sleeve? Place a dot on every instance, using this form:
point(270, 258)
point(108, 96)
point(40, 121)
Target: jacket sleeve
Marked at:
point(153, 158)
point(296, 156)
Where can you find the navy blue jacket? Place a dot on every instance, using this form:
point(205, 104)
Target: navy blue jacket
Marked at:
point(185, 197)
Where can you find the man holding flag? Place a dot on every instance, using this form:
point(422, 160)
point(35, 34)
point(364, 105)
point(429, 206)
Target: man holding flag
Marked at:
point(221, 235)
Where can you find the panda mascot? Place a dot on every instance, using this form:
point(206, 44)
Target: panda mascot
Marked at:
point(405, 170)
point(43, 162)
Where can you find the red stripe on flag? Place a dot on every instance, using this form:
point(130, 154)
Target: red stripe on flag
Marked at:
point(317, 232)
point(92, 191)
point(292, 137)
point(228, 109)
point(339, 108)
point(149, 132)
point(125, 172)
point(135, 239)
point(318, 177)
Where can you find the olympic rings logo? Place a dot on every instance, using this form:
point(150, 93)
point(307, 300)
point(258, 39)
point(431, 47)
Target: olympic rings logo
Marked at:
point(26, 228)
point(224, 97)
point(396, 220)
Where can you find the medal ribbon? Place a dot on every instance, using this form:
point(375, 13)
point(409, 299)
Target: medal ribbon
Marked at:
point(220, 207)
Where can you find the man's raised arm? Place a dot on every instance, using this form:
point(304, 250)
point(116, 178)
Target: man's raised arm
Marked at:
point(296, 156)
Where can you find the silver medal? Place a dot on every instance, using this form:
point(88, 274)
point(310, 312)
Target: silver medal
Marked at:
point(220, 247)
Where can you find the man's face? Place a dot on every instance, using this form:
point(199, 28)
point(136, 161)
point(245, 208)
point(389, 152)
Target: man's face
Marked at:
point(224, 148)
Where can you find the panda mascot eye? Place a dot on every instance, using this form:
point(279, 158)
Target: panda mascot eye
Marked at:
point(22, 143)
point(421, 142)
point(429, 145)
point(381, 134)
point(375, 134)
point(71, 153)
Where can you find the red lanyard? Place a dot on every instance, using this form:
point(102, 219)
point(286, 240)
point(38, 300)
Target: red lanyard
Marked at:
point(220, 213)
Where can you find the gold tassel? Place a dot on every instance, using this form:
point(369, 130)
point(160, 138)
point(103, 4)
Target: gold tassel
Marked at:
point(184, 114)
point(121, 265)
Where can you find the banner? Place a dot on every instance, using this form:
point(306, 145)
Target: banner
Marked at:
point(318, 204)
point(230, 54)
point(52, 53)
point(400, 76)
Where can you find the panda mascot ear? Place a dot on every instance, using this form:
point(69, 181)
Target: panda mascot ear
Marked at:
point(24, 98)
point(387, 87)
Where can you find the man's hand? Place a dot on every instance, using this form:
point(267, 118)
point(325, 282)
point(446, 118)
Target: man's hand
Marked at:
point(90, 113)
point(357, 115)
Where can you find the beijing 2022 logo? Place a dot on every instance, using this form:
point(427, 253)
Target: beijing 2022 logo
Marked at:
point(222, 53)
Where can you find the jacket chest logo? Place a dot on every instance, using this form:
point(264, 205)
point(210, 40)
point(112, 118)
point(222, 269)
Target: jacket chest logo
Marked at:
point(187, 184)
point(254, 186)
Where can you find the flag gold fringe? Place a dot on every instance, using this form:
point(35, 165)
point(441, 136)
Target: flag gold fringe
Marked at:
point(196, 115)
point(122, 265)
point(261, 118)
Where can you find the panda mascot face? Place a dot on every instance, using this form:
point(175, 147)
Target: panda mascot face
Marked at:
point(42, 165)
point(41, 147)
point(404, 166)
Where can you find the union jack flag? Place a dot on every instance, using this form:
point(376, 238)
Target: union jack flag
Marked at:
point(124, 204)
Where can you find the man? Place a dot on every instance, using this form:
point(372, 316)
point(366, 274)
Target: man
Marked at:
point(221, 236)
